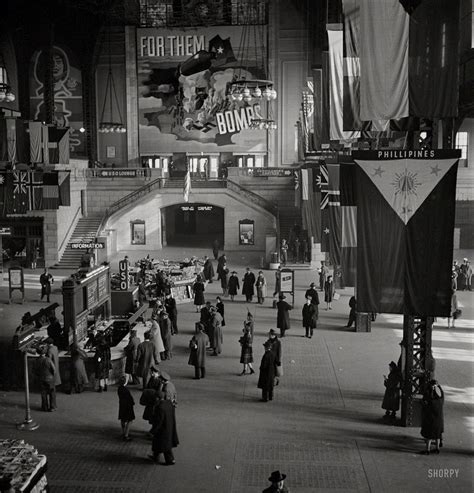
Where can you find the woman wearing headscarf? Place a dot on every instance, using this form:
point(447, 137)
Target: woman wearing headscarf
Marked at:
point(391, 398)
point(198, 290)
point(246, 352)
point(432, 419)
point(233, 285)
point(103, 363)
point(78, 369)
point(328, 292)
point(261, 285)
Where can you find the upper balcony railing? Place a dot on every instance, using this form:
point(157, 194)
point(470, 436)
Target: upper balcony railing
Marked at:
point(177, 13)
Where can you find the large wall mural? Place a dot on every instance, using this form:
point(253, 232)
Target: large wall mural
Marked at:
point(67, 79)
point(179, 113)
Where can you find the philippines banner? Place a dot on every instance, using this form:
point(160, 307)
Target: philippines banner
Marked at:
point(405, 226)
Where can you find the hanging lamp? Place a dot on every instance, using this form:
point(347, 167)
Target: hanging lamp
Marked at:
point(108, 123)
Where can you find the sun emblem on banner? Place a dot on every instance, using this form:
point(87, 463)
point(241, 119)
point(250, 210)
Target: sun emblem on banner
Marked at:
point(406, 183)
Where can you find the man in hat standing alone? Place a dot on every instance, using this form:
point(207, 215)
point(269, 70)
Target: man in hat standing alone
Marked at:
point(283, 315)
point(266, 379)
point(278, 483)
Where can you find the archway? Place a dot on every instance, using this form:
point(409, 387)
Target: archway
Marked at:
point(195, 224)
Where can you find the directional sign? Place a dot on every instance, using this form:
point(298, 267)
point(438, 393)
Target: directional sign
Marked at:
point(5, 231)
point(274, 172)
point(87, 246)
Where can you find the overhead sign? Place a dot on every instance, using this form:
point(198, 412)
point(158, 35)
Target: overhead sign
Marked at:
point(116, 173)
point(87, 246)
point(124, 277)
point(278, 172)
point(5, 231)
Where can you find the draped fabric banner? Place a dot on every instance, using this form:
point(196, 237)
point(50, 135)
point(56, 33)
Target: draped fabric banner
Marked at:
point(334, 215)
point(310, 207)
point(434, 59)
point(409, 64)
point(384, 27)
point(349, 223)
point(336, 98)
point(35, 142)
point(351, 89)
point(64, 182)
point(405, 226)
point(323, 182)
point(51, 190)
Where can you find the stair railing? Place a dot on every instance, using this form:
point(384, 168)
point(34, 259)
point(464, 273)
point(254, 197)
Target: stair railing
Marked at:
point(68, 234)
point(128, 199)
point(252, 197)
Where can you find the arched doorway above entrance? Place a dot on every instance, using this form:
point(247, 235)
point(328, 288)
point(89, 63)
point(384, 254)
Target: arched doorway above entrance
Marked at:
point(192, 225)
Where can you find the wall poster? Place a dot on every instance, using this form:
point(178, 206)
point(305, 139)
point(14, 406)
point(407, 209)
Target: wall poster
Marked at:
point(138, 232)
point(193, 113)
point(246, 232)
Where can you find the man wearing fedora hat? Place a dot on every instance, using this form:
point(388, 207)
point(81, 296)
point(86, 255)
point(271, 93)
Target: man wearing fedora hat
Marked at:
point(266, 379)
point(278, 483)
point(283, 314)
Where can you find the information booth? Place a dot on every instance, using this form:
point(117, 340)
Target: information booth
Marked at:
point(86, 301)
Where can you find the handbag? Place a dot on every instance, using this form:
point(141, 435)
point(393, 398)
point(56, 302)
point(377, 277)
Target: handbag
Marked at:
point(457, 313)
point(336, 296)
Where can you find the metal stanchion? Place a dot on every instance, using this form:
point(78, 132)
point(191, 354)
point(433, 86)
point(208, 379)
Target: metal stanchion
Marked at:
point(28, 424)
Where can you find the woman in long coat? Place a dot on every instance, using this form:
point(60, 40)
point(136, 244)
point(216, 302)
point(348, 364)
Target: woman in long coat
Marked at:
point(126, 414)
point(248, 285)
point(283, 315)
point(156, 338)
point(233, 285)
point(165, 329)
point(216, 332)
point(261, 285)
point(78, 370)
point(220, 309)
point(225, 280)
point(130, 351)
point(103, 363)
point(328, 292)
point(198, 290)
point(208, 270)
point(172, 311)
point(391, 398)
point(246, 352)
point(266, 378)
point(432, 419)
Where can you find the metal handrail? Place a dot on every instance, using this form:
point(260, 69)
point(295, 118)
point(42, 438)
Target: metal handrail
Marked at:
point(253, 197)
point(127, 199)
point(71, 226)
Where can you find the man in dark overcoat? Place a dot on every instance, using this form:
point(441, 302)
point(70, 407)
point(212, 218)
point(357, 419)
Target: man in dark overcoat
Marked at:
point(172, 311)
point(310, 317)
point(165, 435)
point(312, 293)
point(266, 379)
point(220, 264)
point(45, 371)
point(198, 345)
point(248, 285)
point(283, 314)
point(145, 359)
point(46, 279)
point(208, 270)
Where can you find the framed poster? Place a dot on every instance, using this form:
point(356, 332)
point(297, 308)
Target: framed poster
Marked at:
point(138, 232)
point(246, 232)
point(110, 151)
point(287, 281)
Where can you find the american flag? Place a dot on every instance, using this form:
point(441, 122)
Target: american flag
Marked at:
point(187, 185)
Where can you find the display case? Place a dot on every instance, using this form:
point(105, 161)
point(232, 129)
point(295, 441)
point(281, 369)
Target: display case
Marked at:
point(85, 300)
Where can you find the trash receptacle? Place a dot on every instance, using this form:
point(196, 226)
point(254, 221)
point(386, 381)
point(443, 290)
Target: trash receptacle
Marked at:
point(274, 258)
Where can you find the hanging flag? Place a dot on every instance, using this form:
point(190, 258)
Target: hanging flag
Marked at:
point(336, 97)
point(405, 226)
point(64, 182)
point(34, 131)
point(304, 184)
point(296, 180)
point(334, 216)
point(348, 223)
point(408, 63)
point(3, 188)
point(50, 190)
point(34, 184)
point(222, 50)
point(187, 185)
point(16, 197)
point(311, 208)
point(323, 183)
